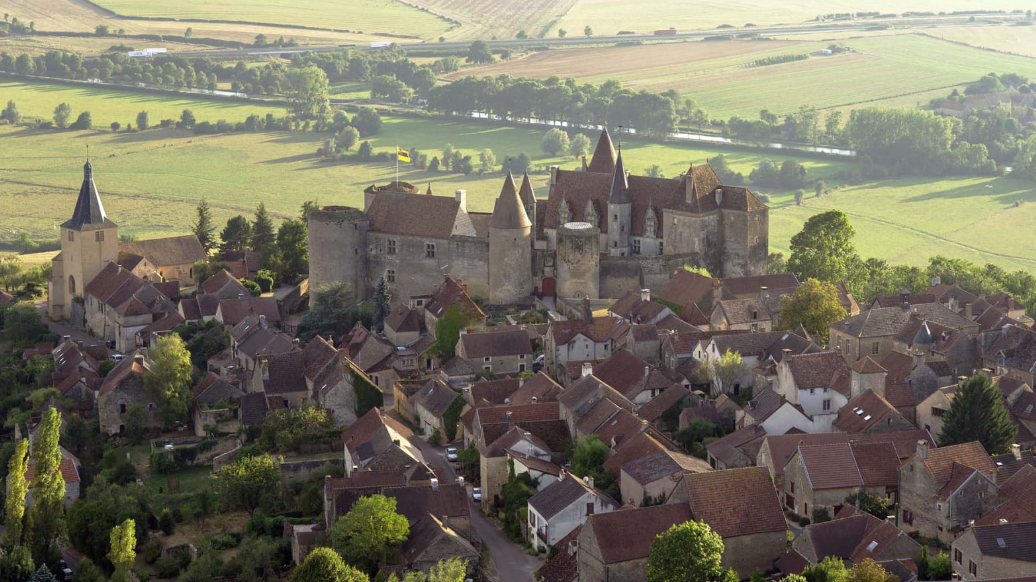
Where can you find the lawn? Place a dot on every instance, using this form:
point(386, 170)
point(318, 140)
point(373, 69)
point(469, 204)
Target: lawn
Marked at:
point(610, 16)
point(889, 70)
point(108, 104)
point(391, 16)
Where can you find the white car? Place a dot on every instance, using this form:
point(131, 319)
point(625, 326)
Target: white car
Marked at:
point(451, 454)
point(476, 494)
point(117, 358)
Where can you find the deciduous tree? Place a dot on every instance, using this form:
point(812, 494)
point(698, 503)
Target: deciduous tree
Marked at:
point(726, 371)
point(686, 552)
point(61, 115)
point(293, 249)
point(48, 488)
point(170, 377)
point(814, 306)
point(978, 413)
point(479, 53)
point(123, 540)
point(143, 120)
point(324, 565)
point(370, 528)
point(555, 141)
point(17, 487)
point(245, 483)
point(309, 92)
point(824, 250)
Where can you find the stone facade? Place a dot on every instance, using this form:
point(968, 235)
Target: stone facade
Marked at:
point(123, 388)
point(748, 553)
point(972, 564)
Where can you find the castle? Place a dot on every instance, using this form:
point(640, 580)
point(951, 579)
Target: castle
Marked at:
point(599, 232)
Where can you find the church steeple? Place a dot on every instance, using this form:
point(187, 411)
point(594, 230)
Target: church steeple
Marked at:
point(89, 212)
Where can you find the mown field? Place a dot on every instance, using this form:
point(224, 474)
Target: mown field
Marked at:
point(500, 18)
point(886, 70)
point(611, 16)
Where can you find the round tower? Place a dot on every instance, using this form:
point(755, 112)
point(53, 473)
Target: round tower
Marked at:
point(510, 248)
point(338, 248)
point(579, 261)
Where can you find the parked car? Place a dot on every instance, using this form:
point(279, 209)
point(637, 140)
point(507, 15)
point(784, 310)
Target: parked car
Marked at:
point(451, 454)
point(117, 358)
point(476, 494)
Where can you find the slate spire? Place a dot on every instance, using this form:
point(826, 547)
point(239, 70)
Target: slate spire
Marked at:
point(617, 194)
point(89, 211)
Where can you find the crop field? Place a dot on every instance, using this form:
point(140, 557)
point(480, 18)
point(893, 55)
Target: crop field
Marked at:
point(611, 16)
point(1012, 39)
point(877, 70)
point(39, 45)
point(107, 104)
point(500, 18)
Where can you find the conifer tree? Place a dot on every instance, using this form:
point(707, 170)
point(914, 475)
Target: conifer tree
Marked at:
point(263, 236)
point(48, 488)
point(204, 229)
point(236, 235)
point(978, 413)
point(14, 507)
point(382, 304)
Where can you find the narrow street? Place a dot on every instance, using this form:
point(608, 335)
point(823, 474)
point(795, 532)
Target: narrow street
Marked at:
point(512, 564)
point(63, 329)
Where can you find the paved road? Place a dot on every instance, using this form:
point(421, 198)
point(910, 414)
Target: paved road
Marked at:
point(512, 564)
point(63, 329)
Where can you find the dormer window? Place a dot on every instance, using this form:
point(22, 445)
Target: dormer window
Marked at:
point(650, 225)
point(591, 214)
point(564, 213)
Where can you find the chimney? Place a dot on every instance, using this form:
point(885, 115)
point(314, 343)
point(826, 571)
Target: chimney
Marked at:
point(647, 371)
point(1016, 450)
point(266, 369)
point(573, 547)
point(645, 294)
point(521, 382)
point(936, 281)
point(719, 196)
point(460, 481)
point(435, 484)
point(295, 342)
point(588, 314)
point(562, 474)
point(918, 358)
point(462, 197)
point(764, 293)
point(967, 311)
point(588, 369)
point(922, 449)
point(262, 319)
point(446, 518)
point(904, 295)
point(553, 175)
point(588, 481)
point(535, 400)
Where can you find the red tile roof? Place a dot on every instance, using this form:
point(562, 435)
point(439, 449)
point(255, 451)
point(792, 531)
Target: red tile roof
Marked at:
point(940, 461)
point(831, 466)
point(505, 342)
point(628, 534)
point(863, 412)
point(735, 502)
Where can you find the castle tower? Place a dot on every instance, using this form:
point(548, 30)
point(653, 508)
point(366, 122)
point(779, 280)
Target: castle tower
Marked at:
point(619, 209)
point(510, 248)
point(579, 261)
point(89, 240)
point(603, 160)
point(338, 248)
point(528, 201)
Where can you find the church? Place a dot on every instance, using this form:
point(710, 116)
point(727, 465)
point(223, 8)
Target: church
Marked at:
point(599, 232)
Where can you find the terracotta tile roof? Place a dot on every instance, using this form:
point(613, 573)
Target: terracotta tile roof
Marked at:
point(848, 538)
point(212, 388)
point(763, 404)
point(414, 215)
point(253, 408)
point(562, 567)
point(563, 493)
point(1025, 407)
point(749, 344)
point(287, 373)
point(900, 396)
point(742, 311)
point(551, 435)
point(518, 413)
point(584, 392)
point(1014, 347)
point(640, 446)
point(163, 252)
point(899, 366)
point(868, 366)
point(435, 397)
point(863, 412)
point(1008, 465)
point(658, 405)
point(235, 310)
point(791, 563)
point(945, 292)
point(819, 370)
point(993, 319)
point(506, 342)
point(317, 354)
point(940, 461)
point(508, 210)
point(878, 463)
point(1010, 541)
point(830, 466)
point(604, 156)
point(628, 534)
point(223, 284)
point(630, 375)
point(171, 289)
point(541, 387)
point(742, 441)
point(69, 471)
point(495, 392)
point(1009, 385)
point(941, 368)
point(888, 321)
point(600, 330)
point(450, 293)
point(166, 322)
point(402, 319)
point(1019, 503)
point(735, 502)
point(131, 364)
point(663, 464)
point(620, 427)
point(533, 463)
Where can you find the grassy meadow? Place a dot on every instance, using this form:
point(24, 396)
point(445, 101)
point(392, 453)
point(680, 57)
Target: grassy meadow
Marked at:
point(890, 70)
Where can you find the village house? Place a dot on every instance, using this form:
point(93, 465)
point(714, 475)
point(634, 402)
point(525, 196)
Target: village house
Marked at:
point(533, 429)
point(589, 339)
point(614, 547)
point(122, 390)
point(231, 312)
point(1002, 550)
point(698, 296)
point(958, 351)
point(429, 405)
point(507, 351)
point(173, 257)
point(562, 567)
point(853, 539)
point(868, 412)
point(540, 470)
point(1023, 411)
point(942, 490)
point(451, 293)
point(563, 506)
point(637, 308)
point(873, 333)
point(773, 413)
point(253, 338)
point(651, 479)
point(402, 325)
point(818, 478)
point(932, 410)
point(921, 376)
point(632, 377)
point(433, 539)
point(119, 304)
point(77, 371)
point(645, 342)
point(1012, 353)
point(214, 406)
point(378, 442)
point(820, 383)
point(223, 285)
point(70, 469)
point(584, 394)
point(200, 308)
point(737, 449)
point(1017, 504)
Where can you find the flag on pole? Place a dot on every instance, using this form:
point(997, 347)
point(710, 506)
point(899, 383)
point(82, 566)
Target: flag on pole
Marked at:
point(402, 155)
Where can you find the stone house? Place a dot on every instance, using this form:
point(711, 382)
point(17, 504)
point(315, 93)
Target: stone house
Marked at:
point(332, 378)
point(741, 505)
point(283, 377)
point(614, 547)
point(542, 471)
point(507, 351)
point(77, 371)
point(854, 539)
point(932, 410)
point(214, 403)
point(201, 307)
point(697, 294)
point(590, 339)
point(253, 337)
point(820, 477)
point(645, 342)
point(451, 292)
point(118, 304)
point(378, 442)
point(873, 332)
point(741, 315)
point(1017, 503)
point(959, 351)
point(921, 376)
point(122, 389)
point(231, 312)
point(433, 539)
point(671, 400)
point(563, 506)
point(1023, 411)
point(563, 566)
point(582, 395)
point(1003, 550)
point(516, 438)
point(737, 449)
point(650, 480)
point(223, 285)
point(173, 257)
point(870, 413)
point(70, 468)
point(773, 413)
point(942, 490)
point(632, 377)
point(637, 308)
point(820, 383)
point(402, 325)
point(1012, 353)
point(429, 405)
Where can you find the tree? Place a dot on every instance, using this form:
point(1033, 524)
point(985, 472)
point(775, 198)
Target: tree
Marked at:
point(48, 488)
point(940, 567)
point(446, 570)
point(123, 539)
point(479, 53)
point(447, 156)
point(136, 423)
point(866, 501)
point(309, 92)
point(815, 306)
point(235, 234)
point(978, 413)
point(245, 483)
point(830, 569)
point(447, 332)
point(143, 120)
point(725, 371)
point(367, 122)
point(588, 457)
point(101, 30)
point(84, 121)
point(203, 228)
point(382, 304)
point(522, 34)
point(366, 533)
point(824, 250)
point(487, 161)
point(263, 238)
point(870, 571)
point(116, 126)
point(691, 436)
point(686, 552)
point(170, 377)
point(187, 119)
point(579, 145)
point(14, 504)
point(324, 565)
point(16, 564)
point(562, 32)
point(61, 114)
point(11, 113)
point(555, 141)
point(587, 31)
point(293, 249)
point(365, 152)
point(347, 138)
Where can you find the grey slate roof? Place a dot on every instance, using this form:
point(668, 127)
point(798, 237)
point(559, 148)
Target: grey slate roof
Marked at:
point(1012, 541)
point(888, 321)
point(89, 212)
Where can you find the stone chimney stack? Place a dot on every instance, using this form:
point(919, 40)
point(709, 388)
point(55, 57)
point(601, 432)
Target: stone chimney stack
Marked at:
point(588, 314)
point(588, 369)
point(645, 294)
point(922, 449)
point(1016, 450)
point(553, 175)
point(462, 197)
point(967, 311)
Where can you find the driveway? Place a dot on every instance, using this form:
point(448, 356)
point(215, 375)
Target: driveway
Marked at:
point(511, 563)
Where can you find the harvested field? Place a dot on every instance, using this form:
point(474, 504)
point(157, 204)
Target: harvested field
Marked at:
point(39, 45)
point(1011, 39)
point(500, 18)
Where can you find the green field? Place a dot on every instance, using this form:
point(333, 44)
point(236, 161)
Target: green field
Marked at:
point(107, 104)
point(391, 16)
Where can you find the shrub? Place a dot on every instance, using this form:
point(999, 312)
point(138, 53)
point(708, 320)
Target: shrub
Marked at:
point(803, 521)
point(151, 551)
point(166, 522)
point(252, 286)
point(265, 281)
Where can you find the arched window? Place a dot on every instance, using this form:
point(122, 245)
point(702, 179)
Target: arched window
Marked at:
point(650, 225)
point(591, 214)
point(71, 285)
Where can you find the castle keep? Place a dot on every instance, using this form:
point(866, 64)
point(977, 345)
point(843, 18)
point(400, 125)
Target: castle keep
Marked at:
point(599, 232)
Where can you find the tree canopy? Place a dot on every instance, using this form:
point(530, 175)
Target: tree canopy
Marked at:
point(309, 92)
point(170, 377)
point(686, 552)
point(48, 487)
point(247, 482)
point(725, 371)
point(814, 306)
point(203, 228)
point(324, 565)
point(17, 487)
point(370, 528)
point(978, 413)
point(123, 539)
point(824, 250)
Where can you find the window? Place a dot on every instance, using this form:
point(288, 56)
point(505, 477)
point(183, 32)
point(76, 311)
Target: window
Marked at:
point(521, 367)
point(650, 227)
point(636, 246)
point(827, 405)
point(99, 236)
point(521, 356)
point(590, 508)
point(615, 218)
point(972, 568)
point(958, 556)
point(487, 368)
point(874, 348)
point(392, 246)
point(485, 359)
point(908, 517)
point(71, 236)
point(390, 275)
point(661, 248)
point(429, 250)
point(793, 487)
point(938, 412)
point(122, 409)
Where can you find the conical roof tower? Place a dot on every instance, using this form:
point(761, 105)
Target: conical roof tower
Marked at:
point(509, 213)
point(603, 160)
point(89, 212)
